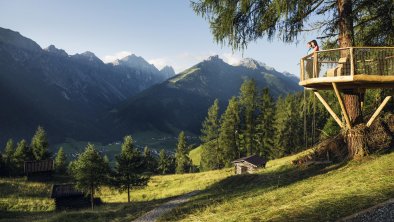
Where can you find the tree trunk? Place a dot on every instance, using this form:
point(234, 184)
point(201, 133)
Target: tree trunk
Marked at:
point(355, 137)
point(128, 193)
point(92, 196)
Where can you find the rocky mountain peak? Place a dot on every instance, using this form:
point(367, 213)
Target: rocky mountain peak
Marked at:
point(10, 37)
point(53, 50)
point(168, 71)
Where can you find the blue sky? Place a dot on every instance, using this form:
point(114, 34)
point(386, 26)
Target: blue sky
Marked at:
point(164, 32)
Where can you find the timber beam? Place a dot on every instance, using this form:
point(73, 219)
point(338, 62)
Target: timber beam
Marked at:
point(337, 93)
point(380, 108)
point(327, 106)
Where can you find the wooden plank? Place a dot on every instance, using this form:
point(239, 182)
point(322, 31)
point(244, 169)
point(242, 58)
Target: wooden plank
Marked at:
point(334, 85)
point(325, 104)
point(380, 108)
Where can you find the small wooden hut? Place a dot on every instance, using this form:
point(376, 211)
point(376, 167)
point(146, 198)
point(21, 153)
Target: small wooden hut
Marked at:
point(68, 197)
point(248, 164)
point(39, 170)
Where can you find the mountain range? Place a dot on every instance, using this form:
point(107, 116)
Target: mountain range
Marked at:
point(80, 97)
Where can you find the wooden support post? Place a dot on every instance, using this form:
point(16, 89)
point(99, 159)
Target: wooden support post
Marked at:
point(385, 101)
point(342, 105)
point(325, 104)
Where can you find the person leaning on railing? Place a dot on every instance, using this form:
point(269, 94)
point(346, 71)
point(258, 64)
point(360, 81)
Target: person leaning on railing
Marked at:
point(312, 47)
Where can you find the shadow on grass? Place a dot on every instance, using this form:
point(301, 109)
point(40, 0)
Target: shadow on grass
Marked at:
point(240, 185)
point(105, 212)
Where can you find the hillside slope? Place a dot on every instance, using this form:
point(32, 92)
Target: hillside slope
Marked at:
point(66, 94)
point(281, 192)
point(181, 102)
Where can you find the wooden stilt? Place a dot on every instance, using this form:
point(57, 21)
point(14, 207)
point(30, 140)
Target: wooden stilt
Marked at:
point(385, 101)
point(325, 104)
point(342, 105)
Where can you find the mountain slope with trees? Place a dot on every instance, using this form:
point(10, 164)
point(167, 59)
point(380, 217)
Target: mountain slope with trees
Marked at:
point(180, 103)
point(67, 94)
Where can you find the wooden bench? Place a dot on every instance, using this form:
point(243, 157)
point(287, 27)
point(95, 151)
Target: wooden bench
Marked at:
point(340, 69)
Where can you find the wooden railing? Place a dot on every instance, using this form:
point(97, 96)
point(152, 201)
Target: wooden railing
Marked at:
point(348, 62)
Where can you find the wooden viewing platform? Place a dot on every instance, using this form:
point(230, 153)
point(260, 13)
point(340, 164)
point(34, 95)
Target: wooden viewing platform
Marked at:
point(349, 68)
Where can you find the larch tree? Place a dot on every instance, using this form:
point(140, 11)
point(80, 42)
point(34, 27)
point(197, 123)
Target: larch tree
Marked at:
point(239, 22)
point(60, 161)
point(130, 166)
point(22, 153)
point(182, 159)
point(265, 124)
point(228, 133)
point(90, 171)
point(163, 164)
point(39, 144)
point(247, 106)
point(209, 138)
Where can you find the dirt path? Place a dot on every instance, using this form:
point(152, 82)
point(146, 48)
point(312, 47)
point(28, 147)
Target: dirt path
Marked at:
point(154, 214)
point(380, 213)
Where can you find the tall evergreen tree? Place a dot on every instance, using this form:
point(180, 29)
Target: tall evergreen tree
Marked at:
point(228, 133)
point(130, 166)
point(22, 153)
point(182, 159)
point(248, 105)
point(209, 138)
point(163, 166)
point(39, 144)
point(9, 152)
point(60, 161)
point(240, 22)
point(90, 171)
point(265, 124)
point(150, 160)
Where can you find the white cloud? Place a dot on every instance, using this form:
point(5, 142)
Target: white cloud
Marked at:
point(230, 58)
point(159, 62)
point(118, 55)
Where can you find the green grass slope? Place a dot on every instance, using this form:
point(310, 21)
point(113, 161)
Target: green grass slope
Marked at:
point(195, 155)
point(283, 192)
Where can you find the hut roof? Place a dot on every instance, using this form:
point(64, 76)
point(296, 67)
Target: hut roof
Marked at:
point(254, 160)
point(38, 166)
point(64, 190)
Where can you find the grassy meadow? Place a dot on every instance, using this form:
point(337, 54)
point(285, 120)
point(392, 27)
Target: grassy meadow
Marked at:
point(280, 192)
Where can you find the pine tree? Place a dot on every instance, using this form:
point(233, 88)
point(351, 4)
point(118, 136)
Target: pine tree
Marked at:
point(39, 144)
point(163, 166)
point(90, 171)
point(9, 161)
point(182, 160)
point(60, 161)
point(150, 160)
point(130, 166)
point(228, 133)
point(265, 124)
point(248, 105)
point(353, 23)
point(22, 154)
point(209, 137)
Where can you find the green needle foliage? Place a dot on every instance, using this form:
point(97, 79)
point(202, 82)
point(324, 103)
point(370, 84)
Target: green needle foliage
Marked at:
point(39, 144)
point(183, 162)
point(130, 166)
point(164, 162)
point(90, 171)
point(60, 161)
point(228, 138)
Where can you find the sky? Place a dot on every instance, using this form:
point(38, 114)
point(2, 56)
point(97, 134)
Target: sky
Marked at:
point(164, 32)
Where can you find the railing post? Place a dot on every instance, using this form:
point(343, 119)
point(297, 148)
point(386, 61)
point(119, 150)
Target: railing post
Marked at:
point(351, 62)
